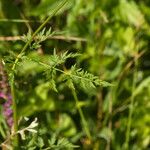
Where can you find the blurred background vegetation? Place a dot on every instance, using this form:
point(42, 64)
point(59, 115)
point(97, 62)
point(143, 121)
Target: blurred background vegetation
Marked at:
point(113, 37)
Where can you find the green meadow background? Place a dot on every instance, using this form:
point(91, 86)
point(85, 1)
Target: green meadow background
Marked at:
point(113, 38)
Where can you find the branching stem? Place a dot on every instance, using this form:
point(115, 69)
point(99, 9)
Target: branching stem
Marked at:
point(12, 82)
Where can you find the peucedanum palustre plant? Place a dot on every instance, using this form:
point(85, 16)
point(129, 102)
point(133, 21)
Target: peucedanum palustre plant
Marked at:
point(73, 77)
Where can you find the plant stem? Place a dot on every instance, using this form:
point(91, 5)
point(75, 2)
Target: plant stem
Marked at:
point(112, 97)
point(59, 70)
point(81, 114)
point(58, 7)
point(38, 29)
point(131, 109)
point(15, 125)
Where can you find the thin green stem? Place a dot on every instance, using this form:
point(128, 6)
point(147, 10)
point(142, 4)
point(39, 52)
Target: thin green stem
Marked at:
point(19, 20)
point(39, 28)
point(59, 70)
point(131, 109)
point(15, 127)
point(58, 7)
point(87, 131)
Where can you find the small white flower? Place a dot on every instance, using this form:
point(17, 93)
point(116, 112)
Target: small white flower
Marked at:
point(30, 128)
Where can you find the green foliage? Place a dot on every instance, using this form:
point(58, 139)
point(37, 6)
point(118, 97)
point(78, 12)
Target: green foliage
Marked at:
point(82, 78)
point(93, 93)
point(40, 37)
point(60, 144)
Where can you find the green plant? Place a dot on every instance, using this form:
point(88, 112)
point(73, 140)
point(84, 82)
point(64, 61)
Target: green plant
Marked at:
point(51, 68)
point(54, 78)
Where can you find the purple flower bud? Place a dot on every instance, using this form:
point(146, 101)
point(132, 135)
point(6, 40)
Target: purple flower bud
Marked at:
point(5, 95)
point(10, 122)
point(8, 112)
